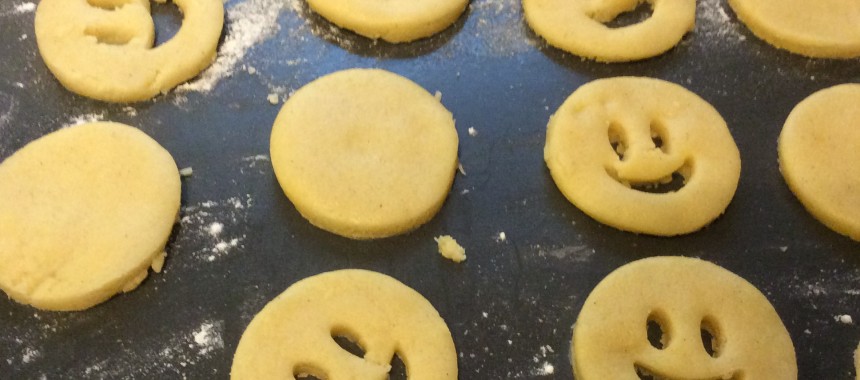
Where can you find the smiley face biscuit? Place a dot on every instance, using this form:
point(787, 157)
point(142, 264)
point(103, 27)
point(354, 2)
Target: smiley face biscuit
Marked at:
point(818, 155)
point(293, 334)
point(103, 49)
point(579, 27)
point(685, 299)
point(820, 28)
point(613, 136)
point(392, 21)
point(365, 153)
point(84, 212)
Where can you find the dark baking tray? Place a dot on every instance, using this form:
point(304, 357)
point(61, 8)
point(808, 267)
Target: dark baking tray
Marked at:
point(511, 305)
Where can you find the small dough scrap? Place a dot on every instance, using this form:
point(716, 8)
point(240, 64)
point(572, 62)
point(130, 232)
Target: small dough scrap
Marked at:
point(814, 28)
point(401, 21)
point(294, 333)
point(450, 249)
point(84, 212)
point(579, 27)
point(661, 130)
point(365, 153)
point(103, 49)
point(683, 297)
point(818, 156)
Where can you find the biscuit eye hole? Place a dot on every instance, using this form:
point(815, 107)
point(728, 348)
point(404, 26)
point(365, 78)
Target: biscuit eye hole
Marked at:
point(657, 335)
point(641, 12)
point(308, 372)
point(710, 339)
point(167, 18)
point(616, 141)
point(398, 369)
point(657, 134)
point(348, 344)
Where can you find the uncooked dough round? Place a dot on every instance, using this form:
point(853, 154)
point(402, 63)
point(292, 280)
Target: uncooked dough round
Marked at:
point(638, 114)
point(818, 156)
point(814, 28)
point(683, 296)
point(103, 49)
point(578, 26)
point(294, 333)
point(365, 153)
point(84, 212)
point(393, 21)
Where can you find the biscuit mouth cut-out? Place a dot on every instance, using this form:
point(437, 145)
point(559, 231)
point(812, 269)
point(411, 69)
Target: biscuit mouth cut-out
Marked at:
point(640, 12)
point(348, 342)
point(646, 373)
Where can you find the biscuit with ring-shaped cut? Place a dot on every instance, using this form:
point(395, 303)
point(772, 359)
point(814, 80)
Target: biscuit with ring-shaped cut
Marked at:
point(392, 21)
point(819, 28)
point(293, 334)
point(638, 114)
point(683, 297)
point(84, 212)
point(818, 156)
point(103, 49)
point(365, 153)
point(578, 26)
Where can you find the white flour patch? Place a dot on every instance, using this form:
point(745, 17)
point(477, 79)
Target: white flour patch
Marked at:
point(713, 24)
point(498, 26)
point(27, 7)
point(84, 119)
point(254, 162)
point(214, 228)
point(545, 369)
point(208, 338)
point(30, 355)
point(248, 23)
point(575, 253)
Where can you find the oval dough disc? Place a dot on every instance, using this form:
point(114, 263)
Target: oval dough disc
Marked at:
point(578, 27)
point(365, 153)
point(814, 28)
point(393, 21)
point(294, 333)
point(103, 49)
point(84, 212)
point(683, 296)
point(599, 178)
point(818, 156)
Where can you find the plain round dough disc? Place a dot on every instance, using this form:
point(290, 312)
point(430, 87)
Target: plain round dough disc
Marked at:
point(294, 333)
point(84, 212)
point(365, 153)
point(814, 28)
point(818, 156)
point(393, 21)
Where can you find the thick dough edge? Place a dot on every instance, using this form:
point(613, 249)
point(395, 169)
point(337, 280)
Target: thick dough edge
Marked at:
point(84, 212)
point(818, 156)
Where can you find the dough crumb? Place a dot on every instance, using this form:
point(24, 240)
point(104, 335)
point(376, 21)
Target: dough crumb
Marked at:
point(450, 249)
point(158, 262)
point(844, 318)
point(438, 95)
point(473, 132)
point(502, 237)
point(460, 169)
point(273, 98)
point(186, 172)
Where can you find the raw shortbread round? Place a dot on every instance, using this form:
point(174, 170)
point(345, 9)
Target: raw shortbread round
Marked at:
point(683, 296)
point(818, 156)
point(392, 21)
point(84, 212)
point(660, 128)
point(365, 153)
point(294, 333)
point(814, 28)
point(105, 50)
point(578, 26)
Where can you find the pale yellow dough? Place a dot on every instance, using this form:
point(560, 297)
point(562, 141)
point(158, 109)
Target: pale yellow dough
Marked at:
point(365, 153)
point(294, 333)
point(393, 21)
point(124, 66)
point(857, 362)
point(450, 249)
point(84, 212)
point(814, 28)
point(684, 296)
point(578, 26)
point(818, 156)
point(695, 143)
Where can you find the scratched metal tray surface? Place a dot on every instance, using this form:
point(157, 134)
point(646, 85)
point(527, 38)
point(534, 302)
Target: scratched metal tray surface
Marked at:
point(511, 305)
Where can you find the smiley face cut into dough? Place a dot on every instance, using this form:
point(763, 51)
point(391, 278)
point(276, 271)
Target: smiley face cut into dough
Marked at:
point(686, 299)
point(614, 139)
point(84, 212)
point(580, 27)
point(365, 153)
point(818, 156)
point(293, 335)
point(103, 49)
